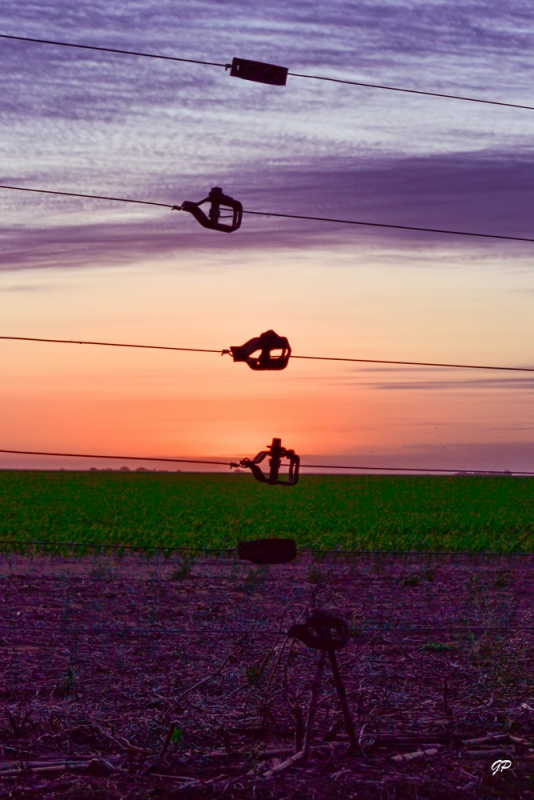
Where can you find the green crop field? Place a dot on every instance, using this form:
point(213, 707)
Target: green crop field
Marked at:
point(494, 514)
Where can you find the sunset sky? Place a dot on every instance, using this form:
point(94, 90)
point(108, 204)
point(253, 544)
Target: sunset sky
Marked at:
point(97, 123)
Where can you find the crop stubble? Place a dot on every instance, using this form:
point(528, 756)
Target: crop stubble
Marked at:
point(101, 655)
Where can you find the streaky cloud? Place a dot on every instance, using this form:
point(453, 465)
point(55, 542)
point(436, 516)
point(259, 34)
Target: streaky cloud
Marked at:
point(484, 193)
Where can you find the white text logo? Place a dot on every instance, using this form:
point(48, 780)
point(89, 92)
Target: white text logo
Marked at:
point(500, 766)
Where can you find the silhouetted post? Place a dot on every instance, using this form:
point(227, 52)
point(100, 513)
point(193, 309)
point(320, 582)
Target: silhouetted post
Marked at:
point(315, 690)
point(349, 725)
point(274, 464)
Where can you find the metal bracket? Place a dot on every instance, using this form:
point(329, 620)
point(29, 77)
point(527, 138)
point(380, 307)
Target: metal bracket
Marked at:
point(258, 71)
point(276, 452)
point(266, 343)
point(316, 633)
point(218, 202)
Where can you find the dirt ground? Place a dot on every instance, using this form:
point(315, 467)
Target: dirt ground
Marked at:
point(151, 678)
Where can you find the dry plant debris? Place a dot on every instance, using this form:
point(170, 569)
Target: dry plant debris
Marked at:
point(130, 678)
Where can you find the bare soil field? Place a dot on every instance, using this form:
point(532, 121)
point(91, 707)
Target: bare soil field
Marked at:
point(133, 678)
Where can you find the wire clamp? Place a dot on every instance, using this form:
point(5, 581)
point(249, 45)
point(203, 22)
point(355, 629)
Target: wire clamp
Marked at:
point(219, 202)
point(276, 452)
point(265, 344)
point(258, 71)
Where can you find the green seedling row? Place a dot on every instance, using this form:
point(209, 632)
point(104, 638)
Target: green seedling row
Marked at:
point(455, 514)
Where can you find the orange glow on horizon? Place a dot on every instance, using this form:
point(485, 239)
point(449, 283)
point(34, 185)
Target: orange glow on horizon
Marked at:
point(155, 403)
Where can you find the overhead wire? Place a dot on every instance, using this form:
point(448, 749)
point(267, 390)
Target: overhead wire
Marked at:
point(219, 463)
point(231, 551)
point(344, 81)
point(226, 352)
point(234, 464)
point(115, 546)
point(138, 632)
point(89, 196)
point(420, 229)
point(112, 50)
point(124, 458)
point(271, 214)
point(112, 344)
point(383, 361)
point(389, 225)
point(412, 91)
